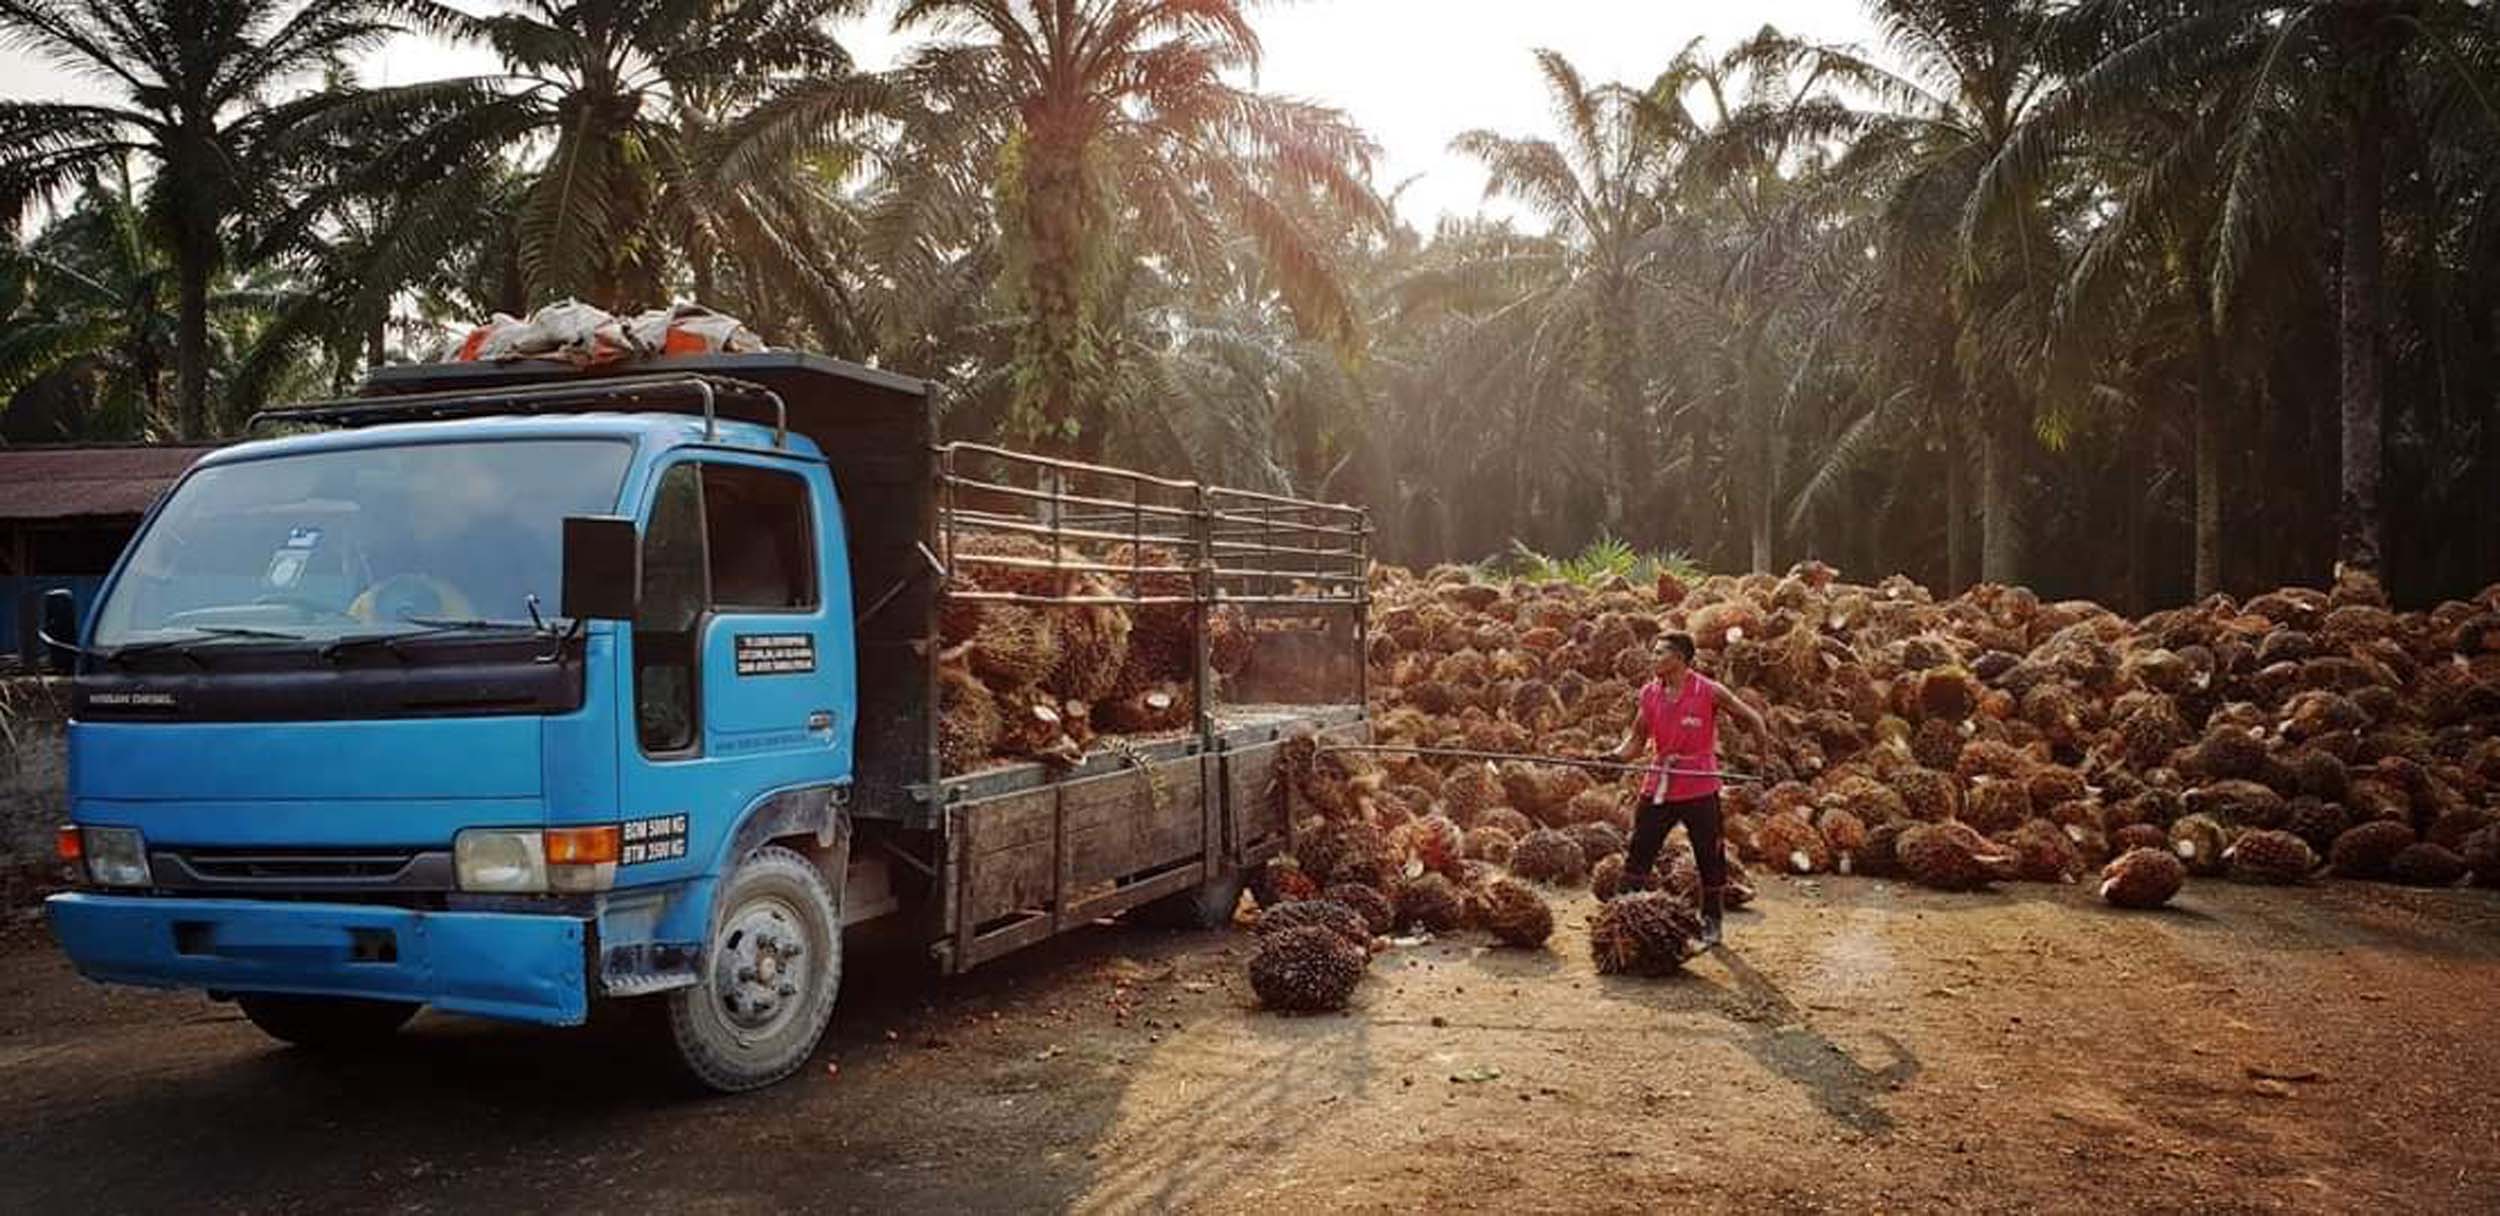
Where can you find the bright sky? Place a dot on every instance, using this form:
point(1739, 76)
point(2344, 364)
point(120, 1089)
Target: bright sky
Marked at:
point(1413, 73)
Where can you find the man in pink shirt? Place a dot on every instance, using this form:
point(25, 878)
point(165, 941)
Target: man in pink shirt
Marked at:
point(1678, 714)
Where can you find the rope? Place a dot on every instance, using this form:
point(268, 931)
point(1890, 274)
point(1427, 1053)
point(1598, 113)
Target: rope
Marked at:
point(1532, 758)
point(1120, 746)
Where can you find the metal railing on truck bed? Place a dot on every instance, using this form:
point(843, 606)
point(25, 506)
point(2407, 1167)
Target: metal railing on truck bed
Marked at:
point(1273, 594)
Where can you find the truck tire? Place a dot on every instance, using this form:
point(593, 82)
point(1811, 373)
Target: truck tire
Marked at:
point(325, 1023)
point(771, 973)
point(1209, 905)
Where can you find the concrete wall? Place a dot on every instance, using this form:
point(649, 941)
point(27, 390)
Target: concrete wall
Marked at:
point(33, 769)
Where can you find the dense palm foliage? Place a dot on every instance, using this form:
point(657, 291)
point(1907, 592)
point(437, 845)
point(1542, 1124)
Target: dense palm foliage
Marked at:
point(2139, 299)
point(196, 91)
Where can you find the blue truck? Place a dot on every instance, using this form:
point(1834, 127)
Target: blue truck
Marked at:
point(518, 690)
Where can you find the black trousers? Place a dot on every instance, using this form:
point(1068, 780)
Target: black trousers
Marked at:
point(1701, 820)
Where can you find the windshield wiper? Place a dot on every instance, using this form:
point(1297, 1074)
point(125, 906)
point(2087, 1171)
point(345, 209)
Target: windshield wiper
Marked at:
point(431, 626)
point(201, 633)
point(446, 624)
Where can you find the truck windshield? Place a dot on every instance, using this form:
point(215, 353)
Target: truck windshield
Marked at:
point(360, 541)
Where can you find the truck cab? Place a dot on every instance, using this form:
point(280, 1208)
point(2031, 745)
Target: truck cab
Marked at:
point(512, 691)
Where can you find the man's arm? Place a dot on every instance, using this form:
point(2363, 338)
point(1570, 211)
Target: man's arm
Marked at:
point(1634, 739)
point(1747, 714)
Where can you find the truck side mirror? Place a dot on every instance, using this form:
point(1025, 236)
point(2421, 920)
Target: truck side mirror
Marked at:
point(602, 568)
point(59, 630)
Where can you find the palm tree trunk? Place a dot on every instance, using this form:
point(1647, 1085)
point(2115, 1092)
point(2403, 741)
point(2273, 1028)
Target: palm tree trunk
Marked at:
point(375, 337)
point(1625, 434)
point(2358, 533)
point(1765, 491)
point(2131, 514)
point(1054, 351)
point(2209, 449)
point(1958, 549)
point(2000, 504)
point(191, 345)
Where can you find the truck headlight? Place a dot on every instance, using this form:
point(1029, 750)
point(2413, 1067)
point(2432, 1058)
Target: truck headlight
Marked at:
point(529, 860)
point(510, 860)
point(116, 857)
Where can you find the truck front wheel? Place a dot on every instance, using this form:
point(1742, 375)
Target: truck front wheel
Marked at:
point(325, 1023)
point(770, 976)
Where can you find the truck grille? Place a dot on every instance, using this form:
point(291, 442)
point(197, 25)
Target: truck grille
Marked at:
point(302, 870)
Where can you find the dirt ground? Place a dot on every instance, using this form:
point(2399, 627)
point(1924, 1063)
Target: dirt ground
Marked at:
point(1859, 1047)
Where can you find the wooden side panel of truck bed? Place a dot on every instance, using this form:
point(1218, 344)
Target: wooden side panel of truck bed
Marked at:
point(1257, 820)
point(1033, 863)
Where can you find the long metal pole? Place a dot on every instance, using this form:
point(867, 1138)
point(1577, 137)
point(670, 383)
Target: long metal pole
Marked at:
point(1533, 758)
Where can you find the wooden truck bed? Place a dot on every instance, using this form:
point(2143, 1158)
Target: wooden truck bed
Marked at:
point(1027, 863)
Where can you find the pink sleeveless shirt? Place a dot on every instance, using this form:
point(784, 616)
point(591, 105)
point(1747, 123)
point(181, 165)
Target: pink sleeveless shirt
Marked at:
point(1685, 727)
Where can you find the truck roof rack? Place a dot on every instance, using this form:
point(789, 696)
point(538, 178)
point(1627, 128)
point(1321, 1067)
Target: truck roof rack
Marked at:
point(607, 392)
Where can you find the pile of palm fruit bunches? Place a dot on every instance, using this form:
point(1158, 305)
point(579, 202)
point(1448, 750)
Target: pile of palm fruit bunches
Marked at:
point(1954, 744)
point(1020, 681)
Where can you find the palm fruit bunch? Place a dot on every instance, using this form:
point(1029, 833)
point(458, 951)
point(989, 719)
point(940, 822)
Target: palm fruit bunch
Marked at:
point(1379, 914)
point(1093, 643)
point(1338, 851)
point(2368, 850)
point(1951, 857)
point(1338, 784)
point(2043, 852)
point(1332, 915)
point(2270, 856)
point(1163, 643)
point(1596, 839)
point(1033, 726)
point(2201, 842)
point(1281, 880)
point(1306, 969)
point(969, 725)
point(1648, 933)
point(1430, 901)
point(2133, 836)
point(1845, 833)
point(2424, 864)
point(1491, 844)
point(2142, 878)
point(1550, 857)
point(1515, 914)
point(1012, 643)
point(2481, 854)
point(1606, 877)
point(1434, 842)
point(1786, 841)
point(1148, 709)
point(1505, 819)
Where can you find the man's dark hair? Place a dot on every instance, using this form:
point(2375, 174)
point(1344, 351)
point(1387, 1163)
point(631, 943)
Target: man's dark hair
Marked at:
point(1679, 642)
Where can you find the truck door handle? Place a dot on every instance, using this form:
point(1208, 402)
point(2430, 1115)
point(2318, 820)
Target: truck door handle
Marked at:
point(820, 720)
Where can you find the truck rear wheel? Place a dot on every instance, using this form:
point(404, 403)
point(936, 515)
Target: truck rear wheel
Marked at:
point(772, 971)
point(325, 1023)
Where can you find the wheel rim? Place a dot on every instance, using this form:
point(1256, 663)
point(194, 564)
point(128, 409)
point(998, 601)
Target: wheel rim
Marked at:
point(762, 967)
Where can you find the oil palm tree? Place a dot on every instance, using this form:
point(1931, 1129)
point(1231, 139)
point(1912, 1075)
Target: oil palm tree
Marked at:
point(1104, 132)
point(2271, 75)
point(1919, 142)
point(662, 121)
point(1602, 192)
point(88, 330)
point(198, 93)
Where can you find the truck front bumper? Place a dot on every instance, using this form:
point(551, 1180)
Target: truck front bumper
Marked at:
point(515, 966)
